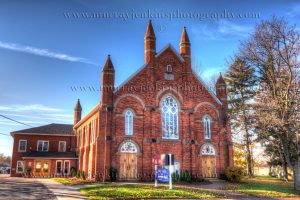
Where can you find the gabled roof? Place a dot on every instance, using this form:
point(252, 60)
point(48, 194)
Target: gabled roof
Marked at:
point(182, 60)
point(174, 51)
point(50, 129)
point(206, 87)
point(144, 65)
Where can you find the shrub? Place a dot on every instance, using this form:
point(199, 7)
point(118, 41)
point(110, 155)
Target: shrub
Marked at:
point(234, 174)
point(186, 176)
point(73, 172)
point(28, 171)
point(113, 174)
point(83, 175)
point(78, 175)
point(175, 176)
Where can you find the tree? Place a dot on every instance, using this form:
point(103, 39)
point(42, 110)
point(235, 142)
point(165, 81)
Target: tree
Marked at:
point(274, 51)
point(5, 160)
point(241, 81)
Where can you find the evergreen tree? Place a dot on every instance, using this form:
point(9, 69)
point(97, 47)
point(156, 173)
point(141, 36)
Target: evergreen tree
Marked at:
point(241, 81)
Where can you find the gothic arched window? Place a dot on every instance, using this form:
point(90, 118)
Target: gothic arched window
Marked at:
point(208, 150)
point(128, 147)
point(169, 112)
point(128, 122)
point(207, 129)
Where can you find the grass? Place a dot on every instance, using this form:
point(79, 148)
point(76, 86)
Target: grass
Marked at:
point(75, 181)
point(264, 186)
point(142, 191)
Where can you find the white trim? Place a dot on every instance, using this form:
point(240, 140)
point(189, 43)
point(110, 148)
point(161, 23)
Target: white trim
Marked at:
point(173, 49)
point(130, 77)
point(56, 167)
point(69, 166)
point(37, 148)
point(12, 134)
point(20, 145)
point(206, 87)
point(65, 149)
point(18, 165)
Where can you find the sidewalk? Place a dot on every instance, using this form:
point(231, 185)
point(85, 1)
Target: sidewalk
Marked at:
point(62, 192)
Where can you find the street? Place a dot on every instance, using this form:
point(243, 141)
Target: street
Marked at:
point(21, 188)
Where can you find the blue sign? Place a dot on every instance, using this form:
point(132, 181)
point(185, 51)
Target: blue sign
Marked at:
point(162, 175)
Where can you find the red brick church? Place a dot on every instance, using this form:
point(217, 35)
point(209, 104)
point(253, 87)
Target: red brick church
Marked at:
point(164, 107)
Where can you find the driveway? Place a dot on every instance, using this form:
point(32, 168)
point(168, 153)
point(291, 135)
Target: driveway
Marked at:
point(13, 188)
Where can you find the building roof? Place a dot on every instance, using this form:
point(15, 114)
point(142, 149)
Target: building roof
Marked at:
point(50, 129)
point(37, 154)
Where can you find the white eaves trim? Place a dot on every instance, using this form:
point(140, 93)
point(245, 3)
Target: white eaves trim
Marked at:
point(12, 134)
point(174, 51)
point(206, 87)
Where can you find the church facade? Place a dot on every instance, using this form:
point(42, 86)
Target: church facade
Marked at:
point(164, 108)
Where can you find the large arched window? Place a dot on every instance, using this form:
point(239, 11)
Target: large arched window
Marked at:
point(169, 112)
point(128, 122)
point(207, 129)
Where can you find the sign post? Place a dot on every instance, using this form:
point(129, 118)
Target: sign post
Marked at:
point(162, 174)
point(155, 184)
point(171, 170)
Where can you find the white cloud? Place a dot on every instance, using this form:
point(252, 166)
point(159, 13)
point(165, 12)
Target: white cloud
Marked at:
point(221, 29)
point(294, 11)
point(43, 52)
point(33, 107)
point(226, 27)
point(35, 114)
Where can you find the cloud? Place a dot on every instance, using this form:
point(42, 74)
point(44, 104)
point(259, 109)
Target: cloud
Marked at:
point(294, 10)
point(221, 29)
point(226, 27)
point(43, 52)
point(33, 107)
point(35, 114)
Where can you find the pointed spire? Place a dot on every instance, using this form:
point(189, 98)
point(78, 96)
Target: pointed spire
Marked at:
point(78, 106)
point(108, 66)
point(220, 79)
point(149, 44)
point(150, 30)
point(184, 37)
point(185, 45)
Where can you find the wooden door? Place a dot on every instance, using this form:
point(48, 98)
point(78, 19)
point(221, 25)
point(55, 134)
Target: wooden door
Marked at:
point(128, 166)
point(46, 167)
point(208, 166)
point(41, 168)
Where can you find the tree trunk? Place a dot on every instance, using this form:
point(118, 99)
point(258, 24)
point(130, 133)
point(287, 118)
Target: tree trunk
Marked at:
point(285, 171)
point(283, 165)
point(297, 177)
point(249, 158)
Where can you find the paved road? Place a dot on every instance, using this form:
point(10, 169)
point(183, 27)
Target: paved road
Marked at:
point(20, 188)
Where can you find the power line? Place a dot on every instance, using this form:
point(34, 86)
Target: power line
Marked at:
point(15, 120)
point(4, 134)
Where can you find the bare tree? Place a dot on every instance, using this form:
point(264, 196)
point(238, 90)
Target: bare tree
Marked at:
point(274, 50)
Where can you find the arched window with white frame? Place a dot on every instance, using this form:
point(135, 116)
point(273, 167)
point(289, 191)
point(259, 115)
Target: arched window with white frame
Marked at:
point(169, 111)
point(207, 127)
point(128, 122)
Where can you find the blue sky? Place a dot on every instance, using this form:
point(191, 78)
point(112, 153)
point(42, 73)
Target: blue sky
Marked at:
point(45, 50)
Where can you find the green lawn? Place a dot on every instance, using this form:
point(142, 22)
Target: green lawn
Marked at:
point(142, 191)
point(75, 181)
point(264, 186)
